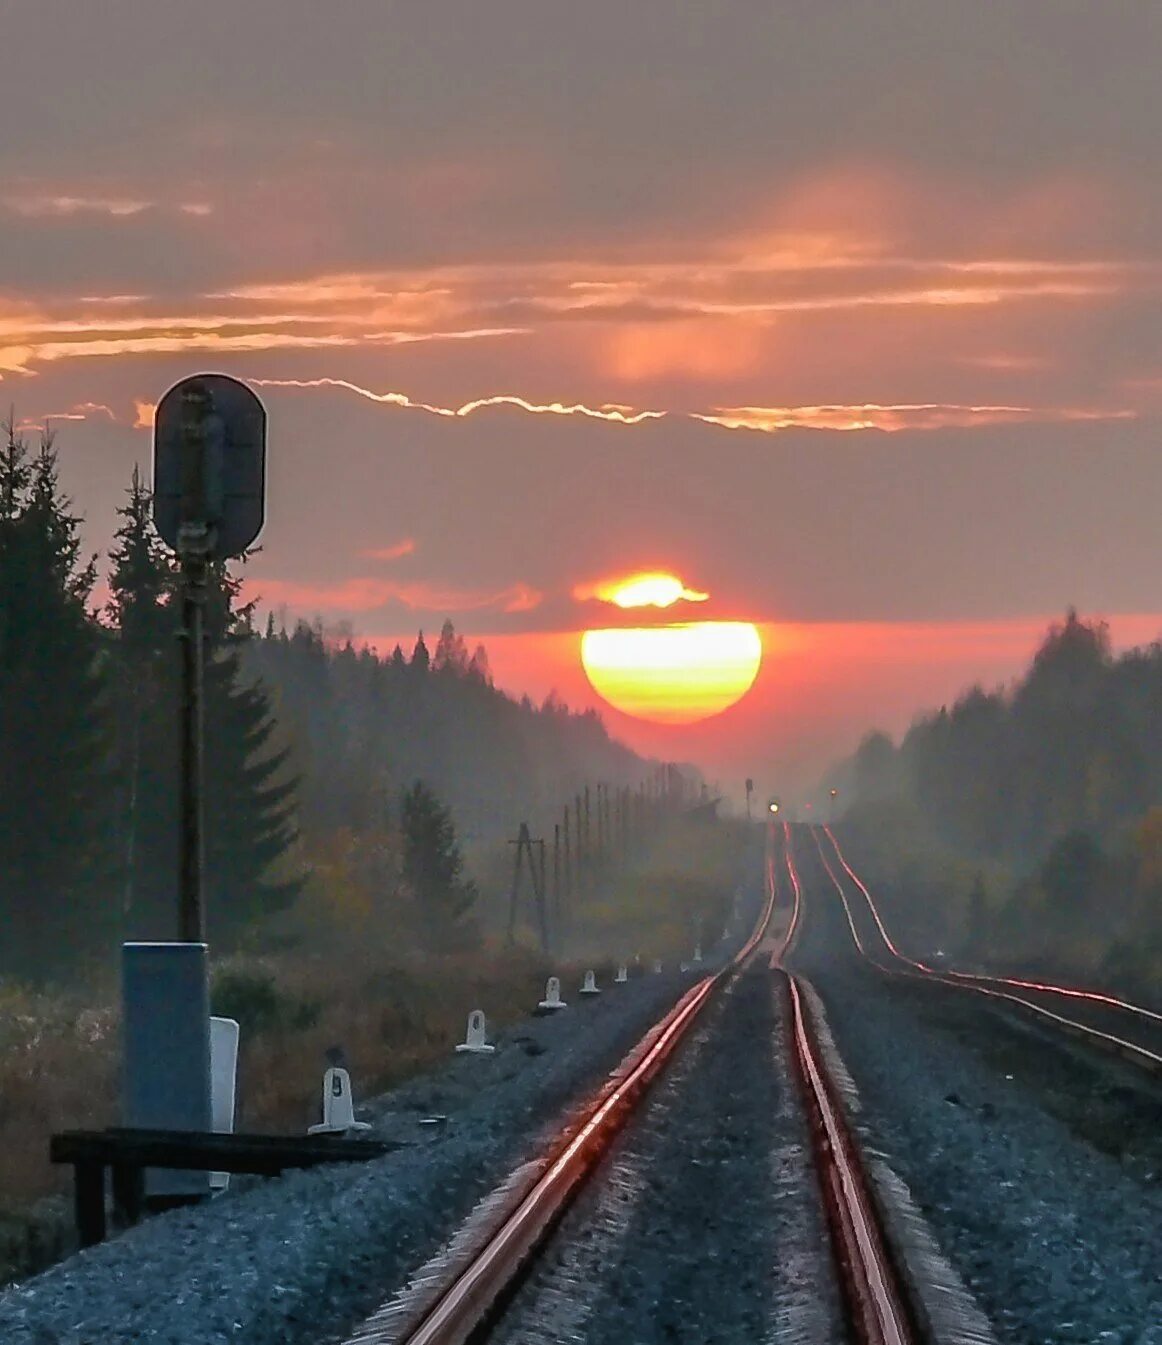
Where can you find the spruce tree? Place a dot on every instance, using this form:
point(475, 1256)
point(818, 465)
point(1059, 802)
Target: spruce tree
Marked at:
point(433, 866)
point(56, 903)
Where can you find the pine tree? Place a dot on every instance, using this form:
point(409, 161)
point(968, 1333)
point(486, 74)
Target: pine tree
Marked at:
point(451, 652)
point(421, 659)
point(433, 866)
point(55, 892)
point(141, 609)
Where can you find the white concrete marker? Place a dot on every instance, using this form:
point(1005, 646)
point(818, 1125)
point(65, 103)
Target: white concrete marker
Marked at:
point(590, 986)
point(338, 1106)
point(622, 975)
point(223, 1078)
point(657, 966)
point(474, 1040)
point(697, 954)
point(552, 999)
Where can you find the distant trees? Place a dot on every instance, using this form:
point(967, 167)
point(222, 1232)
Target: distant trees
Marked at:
point(363, 727)
point(54, 734)
point(314, 748)
point(1074, 746)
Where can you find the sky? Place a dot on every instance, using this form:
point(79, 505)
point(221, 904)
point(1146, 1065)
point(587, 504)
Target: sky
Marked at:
point(845, 314)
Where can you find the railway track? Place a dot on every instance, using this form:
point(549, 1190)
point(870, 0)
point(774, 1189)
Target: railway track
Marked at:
point(463, 1295)
point(1130, 1030)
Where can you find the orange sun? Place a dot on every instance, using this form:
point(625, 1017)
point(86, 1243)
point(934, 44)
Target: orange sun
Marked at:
point(677, 673)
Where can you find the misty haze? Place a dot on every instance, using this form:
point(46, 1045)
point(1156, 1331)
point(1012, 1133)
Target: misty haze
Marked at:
point(580, 673)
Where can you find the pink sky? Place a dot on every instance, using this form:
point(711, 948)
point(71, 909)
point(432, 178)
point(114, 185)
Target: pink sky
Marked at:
point(852, 324)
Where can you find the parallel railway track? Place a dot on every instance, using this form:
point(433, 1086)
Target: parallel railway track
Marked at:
point(465, 1301)
point(1131, 1030)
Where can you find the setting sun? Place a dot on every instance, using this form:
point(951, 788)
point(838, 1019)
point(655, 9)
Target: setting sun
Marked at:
point(650, 589)
point(676, 674)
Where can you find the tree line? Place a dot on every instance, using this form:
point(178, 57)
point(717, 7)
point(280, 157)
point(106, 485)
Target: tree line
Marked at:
point(314, 747)
point(1046, 797)
point(1075, 745)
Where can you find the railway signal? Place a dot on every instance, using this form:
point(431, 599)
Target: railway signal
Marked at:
point(209, 477)
point(209, 504)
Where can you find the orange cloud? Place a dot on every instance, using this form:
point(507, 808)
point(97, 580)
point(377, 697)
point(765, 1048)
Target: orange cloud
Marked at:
point(702, 349)
point(36, 205)
point(363, 594)
point(607, 411)
point(81, 411)
point(916, 416)
point(394, 552)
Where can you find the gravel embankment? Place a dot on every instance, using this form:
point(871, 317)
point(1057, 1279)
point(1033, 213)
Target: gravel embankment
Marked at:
point(703, 1223)
point(1057, 1239)
point(1037, 1163)
point(314, 1252)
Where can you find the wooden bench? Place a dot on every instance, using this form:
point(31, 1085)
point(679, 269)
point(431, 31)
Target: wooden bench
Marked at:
point(127, 1153)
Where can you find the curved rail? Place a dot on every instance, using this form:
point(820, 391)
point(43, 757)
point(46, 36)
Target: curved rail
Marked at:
point(876, 1301)
point(987, 985)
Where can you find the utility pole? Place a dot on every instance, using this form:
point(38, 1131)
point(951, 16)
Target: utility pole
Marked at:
point(579, 864)
point(568, 858)
point(524, 852)
point(557, 876)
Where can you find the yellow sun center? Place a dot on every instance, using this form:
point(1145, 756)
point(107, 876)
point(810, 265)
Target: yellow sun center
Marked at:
point(675, 674)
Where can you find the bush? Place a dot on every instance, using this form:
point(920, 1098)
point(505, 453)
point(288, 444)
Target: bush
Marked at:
point(250, 996)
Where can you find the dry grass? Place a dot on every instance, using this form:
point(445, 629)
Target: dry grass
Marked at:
point(390, 1022)
point(57, 1069)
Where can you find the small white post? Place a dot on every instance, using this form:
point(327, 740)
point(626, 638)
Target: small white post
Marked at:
point(223, 1082)
point(590, 986)
point(338, 1106)
point(622, 975)
point(657, 966)
point(475, 1038)
point(552, 999)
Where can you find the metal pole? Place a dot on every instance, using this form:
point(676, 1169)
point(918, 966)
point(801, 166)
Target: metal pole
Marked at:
point(557, 875)
point(191, 908)
point(194, 542)
point(542, 904)
point(579, 864)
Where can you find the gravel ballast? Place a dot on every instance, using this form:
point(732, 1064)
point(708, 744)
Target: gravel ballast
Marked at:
point(304, 1257)
point(1059, 1240)
point(703, 1222)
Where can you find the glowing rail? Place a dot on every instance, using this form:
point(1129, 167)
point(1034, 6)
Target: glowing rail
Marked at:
point(986, 984)
point(462, 1304)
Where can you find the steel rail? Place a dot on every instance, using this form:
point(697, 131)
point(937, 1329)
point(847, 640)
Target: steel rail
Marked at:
point(471, 1296)
point(876, 1302)
point(986, 985)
